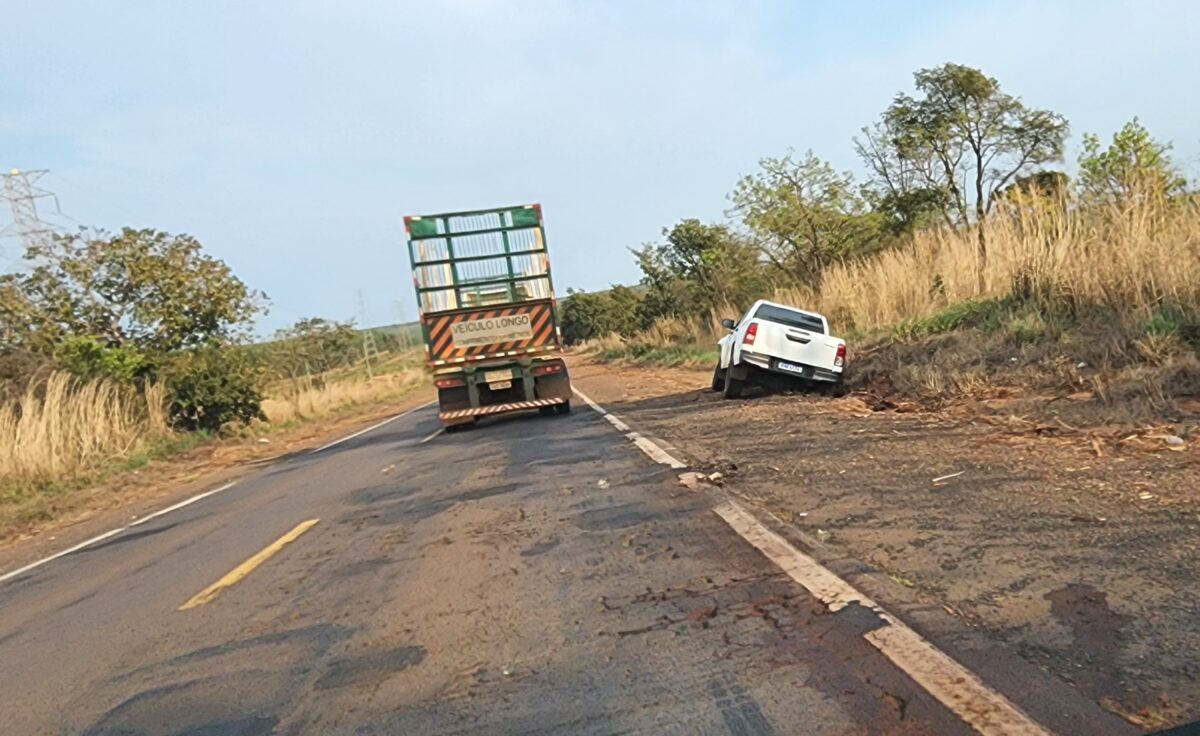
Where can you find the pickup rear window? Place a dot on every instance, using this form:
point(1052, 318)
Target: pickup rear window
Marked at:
point(791, 318)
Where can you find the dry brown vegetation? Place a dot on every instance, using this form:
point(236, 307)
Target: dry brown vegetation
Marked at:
point(1133, 259)
point(62, 429)
point(64, 433)
point(314, 397)
point(1102, 299)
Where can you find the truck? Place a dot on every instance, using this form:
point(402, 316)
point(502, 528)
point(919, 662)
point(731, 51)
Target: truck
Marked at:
point(488, 314)
point(777, 340)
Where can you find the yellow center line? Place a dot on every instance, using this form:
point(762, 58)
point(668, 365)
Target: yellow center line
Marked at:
point(248, 566)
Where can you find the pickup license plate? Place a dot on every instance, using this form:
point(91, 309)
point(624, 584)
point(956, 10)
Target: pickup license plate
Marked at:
point(498, 380)
point(790, 367)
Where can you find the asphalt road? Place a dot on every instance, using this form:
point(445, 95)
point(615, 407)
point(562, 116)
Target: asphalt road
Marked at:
point(533, 575)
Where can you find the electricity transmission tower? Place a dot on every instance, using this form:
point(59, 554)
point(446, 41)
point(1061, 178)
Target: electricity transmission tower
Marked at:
point(369, 348)
point(21, 191)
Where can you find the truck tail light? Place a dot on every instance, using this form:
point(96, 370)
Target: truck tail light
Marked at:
point(751, 333)
point(840, 359)
point(547, 369)
point(449, 382)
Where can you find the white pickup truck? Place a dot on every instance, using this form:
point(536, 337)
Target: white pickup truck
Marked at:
point(773, 338)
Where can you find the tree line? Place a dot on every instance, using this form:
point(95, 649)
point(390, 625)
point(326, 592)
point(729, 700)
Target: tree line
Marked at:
point(943, 156)
point(143, 306)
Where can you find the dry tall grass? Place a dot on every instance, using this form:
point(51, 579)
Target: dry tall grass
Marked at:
point(1132, 258)
point(63, 428)
point(317, 397)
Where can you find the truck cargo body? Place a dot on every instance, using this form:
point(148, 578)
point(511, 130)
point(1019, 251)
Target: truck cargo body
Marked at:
point(488, 314)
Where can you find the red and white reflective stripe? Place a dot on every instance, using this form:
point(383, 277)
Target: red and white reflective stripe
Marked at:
point(498, 408)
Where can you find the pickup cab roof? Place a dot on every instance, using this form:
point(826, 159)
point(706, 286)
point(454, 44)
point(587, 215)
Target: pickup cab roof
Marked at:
point(810, 321)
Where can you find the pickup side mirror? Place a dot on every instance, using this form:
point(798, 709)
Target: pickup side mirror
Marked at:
point(729, 324)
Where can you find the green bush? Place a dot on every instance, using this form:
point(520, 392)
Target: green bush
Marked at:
point(984, 314)
point(212, 386)
point(87, 357)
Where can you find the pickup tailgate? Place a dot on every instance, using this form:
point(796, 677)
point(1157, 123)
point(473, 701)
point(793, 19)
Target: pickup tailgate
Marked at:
point(795, 345)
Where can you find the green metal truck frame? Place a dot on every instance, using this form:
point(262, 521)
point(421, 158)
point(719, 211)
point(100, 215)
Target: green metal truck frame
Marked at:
point(489, 318)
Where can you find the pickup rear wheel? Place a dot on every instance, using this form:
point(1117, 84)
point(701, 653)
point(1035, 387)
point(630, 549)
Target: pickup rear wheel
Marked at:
point(718, 382)
point(733, 386)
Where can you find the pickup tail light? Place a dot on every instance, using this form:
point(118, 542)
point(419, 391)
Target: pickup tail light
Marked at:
point(840, 360)
point(543, 370)
point(449, 382)
point(751, 333)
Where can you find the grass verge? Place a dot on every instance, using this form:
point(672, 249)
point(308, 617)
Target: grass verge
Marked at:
point(65, 436)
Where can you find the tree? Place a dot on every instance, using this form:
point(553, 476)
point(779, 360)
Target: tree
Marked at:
point(586, 316)
point(1134, 165)
point(698, 268)
point(963, 137)
point(806, 215)
point(140, 305)
point(313, 346)
point(141, 288)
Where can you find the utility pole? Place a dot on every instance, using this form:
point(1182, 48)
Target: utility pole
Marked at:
point(21, 191)
point(369, 348)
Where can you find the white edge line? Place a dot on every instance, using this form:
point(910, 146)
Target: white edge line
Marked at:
point(111, 533)
point(373, 426)
point(653, 451)
point(175, 507)
point(436, 432)
point(952, 684)
point(181, 504)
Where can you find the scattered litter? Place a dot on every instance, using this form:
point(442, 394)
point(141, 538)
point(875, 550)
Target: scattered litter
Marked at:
point(264, 441)
point(948, 477)
point(1146, 495)
point(1081, 364)
point(603, 483)
point(506, 672)
point(716, 477)
point(694, 481)
point(388, 469)
point(772, 467)
point(822, 535)
point(1012, 359)
point(1173, 440)
point(802, 513)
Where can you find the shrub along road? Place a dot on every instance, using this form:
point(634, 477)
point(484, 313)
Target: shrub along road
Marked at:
point(533, 575)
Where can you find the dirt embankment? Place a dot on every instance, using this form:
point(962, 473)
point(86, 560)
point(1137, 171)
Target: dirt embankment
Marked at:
point(1074, 544)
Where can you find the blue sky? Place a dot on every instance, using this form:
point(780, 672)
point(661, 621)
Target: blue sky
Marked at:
point(292, 137)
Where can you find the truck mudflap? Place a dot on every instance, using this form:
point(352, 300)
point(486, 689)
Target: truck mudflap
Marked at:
point(501, 408)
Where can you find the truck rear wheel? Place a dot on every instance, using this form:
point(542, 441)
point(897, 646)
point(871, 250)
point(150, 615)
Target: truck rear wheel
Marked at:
point(549, 411)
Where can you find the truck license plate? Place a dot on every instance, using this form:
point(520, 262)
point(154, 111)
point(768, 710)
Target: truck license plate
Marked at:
point(497, 380)
point(789, 367)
